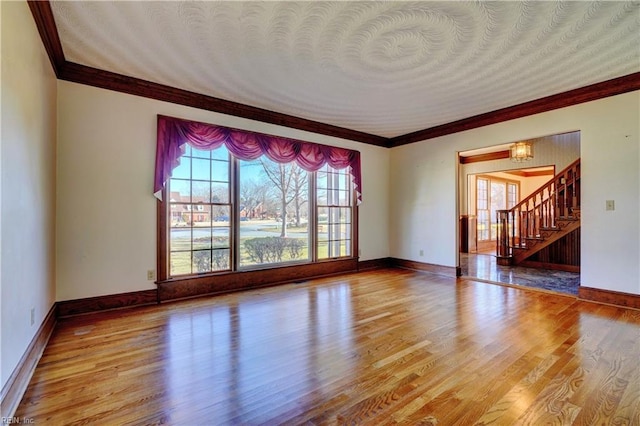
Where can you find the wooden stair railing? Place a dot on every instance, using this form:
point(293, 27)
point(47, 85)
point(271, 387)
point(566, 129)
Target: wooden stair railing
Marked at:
point(539, 216)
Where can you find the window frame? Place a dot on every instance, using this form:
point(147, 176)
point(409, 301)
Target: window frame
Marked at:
point(163, 213)
point(333, 203)
point(196, 206)
point(489, 179)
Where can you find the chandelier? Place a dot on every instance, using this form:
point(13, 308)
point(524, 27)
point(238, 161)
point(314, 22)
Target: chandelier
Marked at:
point(521, 151)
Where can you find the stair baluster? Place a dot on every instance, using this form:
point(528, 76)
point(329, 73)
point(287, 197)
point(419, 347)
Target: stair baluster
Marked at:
point(530, 221)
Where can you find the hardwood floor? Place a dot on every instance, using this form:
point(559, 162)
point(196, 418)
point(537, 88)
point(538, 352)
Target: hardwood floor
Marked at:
point(380, 347)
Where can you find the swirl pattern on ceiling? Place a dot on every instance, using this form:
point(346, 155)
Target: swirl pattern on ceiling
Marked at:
point(385, 68)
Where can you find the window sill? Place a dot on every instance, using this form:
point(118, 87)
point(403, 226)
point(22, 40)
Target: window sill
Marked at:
point(228, 281)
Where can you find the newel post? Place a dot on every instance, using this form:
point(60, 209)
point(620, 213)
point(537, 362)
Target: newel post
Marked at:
point(503, 249)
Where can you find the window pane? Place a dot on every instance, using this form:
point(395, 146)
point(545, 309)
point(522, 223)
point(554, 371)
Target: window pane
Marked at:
point(200, 153)
point(321, 178)
point(180, 191)
point(201, 238)
point(345, 247)
point(323, 249)
point(221, 238)
point(183, 171)
point(220, 171)
point(180, 239)
point(221, 214)
point(220, 193)
point(180, 263)
point(498, 201)
point(273, 217)
point(221, 260)
point(482, 194)
point(340, 182)
point(345, 215)
point(321, 196)
point(201, 169)
point(220, 153)
point(201, 261)
point(346, 229)
point(323, 224)
point(344, 198)
point(201, 215)
point(201, 191)
point(327, 250)
point(179, 216)
point(512, 198)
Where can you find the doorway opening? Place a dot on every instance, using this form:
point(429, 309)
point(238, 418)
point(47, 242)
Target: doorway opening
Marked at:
point(489, 182)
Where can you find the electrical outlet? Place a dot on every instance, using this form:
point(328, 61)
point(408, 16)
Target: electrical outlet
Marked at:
point(610, 205)
point(33, 316)
point(421, 252)
point(151, 275)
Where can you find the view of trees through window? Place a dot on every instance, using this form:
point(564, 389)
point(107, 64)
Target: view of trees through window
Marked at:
point(228, 214)
point(275, 197)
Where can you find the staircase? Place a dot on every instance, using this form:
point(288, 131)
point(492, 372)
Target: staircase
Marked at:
point(546, 216)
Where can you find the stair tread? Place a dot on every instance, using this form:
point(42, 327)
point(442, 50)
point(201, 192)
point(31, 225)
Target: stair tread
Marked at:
point(543, 217)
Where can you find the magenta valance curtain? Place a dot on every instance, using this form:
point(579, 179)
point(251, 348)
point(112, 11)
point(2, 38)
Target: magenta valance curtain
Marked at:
point(173, 133)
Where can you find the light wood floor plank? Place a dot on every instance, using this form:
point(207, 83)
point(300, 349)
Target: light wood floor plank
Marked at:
point(382, 347)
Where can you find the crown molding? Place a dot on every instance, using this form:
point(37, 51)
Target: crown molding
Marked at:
point(82, 74)
point(46, 24)
point(616, 86)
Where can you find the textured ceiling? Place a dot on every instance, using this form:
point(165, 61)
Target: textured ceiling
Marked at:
point(384, 68)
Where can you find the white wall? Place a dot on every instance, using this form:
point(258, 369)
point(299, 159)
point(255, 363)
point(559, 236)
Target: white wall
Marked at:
point(424, 188)
point(28, 184)
point(106, 225)
point(532, 183)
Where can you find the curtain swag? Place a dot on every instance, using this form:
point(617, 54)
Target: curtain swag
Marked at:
point(173, 133)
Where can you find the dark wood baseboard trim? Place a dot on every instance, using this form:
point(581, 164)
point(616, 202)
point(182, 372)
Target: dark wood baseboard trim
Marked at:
point(552, 266)
point(611, 297)
point(102, 303)
point(16, 386)
point(382, 263)
point(449, 271)
point(245, 280)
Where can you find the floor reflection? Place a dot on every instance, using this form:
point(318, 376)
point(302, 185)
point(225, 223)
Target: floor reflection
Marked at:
point(484, 267)
point(230, 355)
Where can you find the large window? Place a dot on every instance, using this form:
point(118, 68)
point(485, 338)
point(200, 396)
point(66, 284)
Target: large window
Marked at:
point(273, 216)
point(226, 214)
point(334, 213)
point(199, 213)
point(493, 194)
